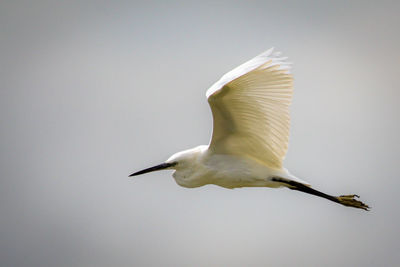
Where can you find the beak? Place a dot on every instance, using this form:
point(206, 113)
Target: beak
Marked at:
point(159, 167)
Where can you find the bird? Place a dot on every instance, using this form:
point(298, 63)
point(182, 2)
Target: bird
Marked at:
point(250, 110)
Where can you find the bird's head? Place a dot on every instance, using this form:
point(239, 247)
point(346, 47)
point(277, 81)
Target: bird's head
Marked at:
point(180, 160)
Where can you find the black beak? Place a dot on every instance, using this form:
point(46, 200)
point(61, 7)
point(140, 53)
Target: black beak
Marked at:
point(162, 166)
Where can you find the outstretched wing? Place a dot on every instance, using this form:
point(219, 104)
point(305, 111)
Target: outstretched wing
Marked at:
point(250, 107)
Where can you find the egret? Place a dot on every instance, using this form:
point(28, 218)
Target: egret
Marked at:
point(250, 109)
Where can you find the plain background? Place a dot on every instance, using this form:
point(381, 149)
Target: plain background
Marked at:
point(92, 91)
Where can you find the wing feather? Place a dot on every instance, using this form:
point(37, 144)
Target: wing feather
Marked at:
point(250, 107)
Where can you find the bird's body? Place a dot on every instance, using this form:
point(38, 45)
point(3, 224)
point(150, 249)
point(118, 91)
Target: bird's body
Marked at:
point(200, 166)
point(250, 107)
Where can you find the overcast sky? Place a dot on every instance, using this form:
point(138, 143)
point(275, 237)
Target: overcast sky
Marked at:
point(91, 91)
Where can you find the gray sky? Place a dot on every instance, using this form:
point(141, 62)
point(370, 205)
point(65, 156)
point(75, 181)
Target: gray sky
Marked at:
point(91, 91)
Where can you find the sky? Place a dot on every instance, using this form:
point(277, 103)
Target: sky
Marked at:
point(91, 91)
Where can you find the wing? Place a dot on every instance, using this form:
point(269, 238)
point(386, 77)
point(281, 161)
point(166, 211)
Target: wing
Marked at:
point(250, 107)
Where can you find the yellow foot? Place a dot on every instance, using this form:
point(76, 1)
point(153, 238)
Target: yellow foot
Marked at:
point(350, 201)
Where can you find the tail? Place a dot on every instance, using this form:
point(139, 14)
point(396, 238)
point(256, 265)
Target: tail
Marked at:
point(346, 200)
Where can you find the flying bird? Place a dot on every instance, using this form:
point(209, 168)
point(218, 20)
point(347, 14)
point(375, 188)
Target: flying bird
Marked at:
point(250, 108)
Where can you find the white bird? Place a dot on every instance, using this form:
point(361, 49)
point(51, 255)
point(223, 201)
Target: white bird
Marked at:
point(250, 108)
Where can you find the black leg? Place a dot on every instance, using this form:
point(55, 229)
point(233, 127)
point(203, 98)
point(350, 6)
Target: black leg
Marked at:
point(346, 200)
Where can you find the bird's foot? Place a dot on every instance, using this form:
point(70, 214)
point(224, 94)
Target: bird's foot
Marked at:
point(350, 201)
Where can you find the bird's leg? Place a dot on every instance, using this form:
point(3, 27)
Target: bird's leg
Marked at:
point(346, 200)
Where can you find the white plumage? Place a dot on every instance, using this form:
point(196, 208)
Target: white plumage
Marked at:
point(250, 107)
